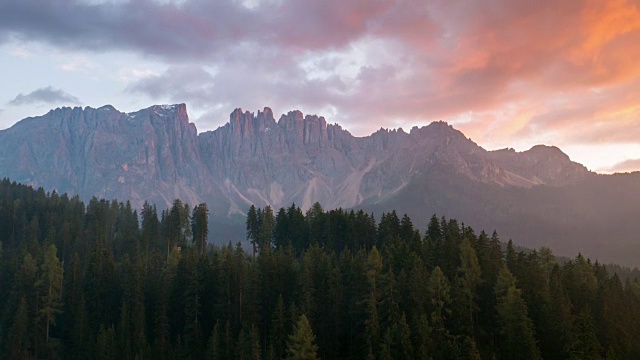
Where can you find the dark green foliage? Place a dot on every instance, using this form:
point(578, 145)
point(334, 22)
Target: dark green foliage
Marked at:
point(200, 226)
point(516, 328)
point(301, 345)
point(113, 286)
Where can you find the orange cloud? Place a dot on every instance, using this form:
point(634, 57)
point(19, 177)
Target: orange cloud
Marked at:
point(562, 71)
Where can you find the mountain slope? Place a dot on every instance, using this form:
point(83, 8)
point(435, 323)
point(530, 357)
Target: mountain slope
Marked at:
point(156, 154)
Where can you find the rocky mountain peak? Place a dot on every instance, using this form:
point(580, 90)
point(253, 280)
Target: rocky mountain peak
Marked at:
point(266, 113)
point(252, 159)
point(106, 108)
point(547, 152)
point(155, 154)
point(437, 130)
point(177, 112)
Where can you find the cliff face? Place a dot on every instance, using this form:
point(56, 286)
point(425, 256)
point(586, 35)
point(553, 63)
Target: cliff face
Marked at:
point(538, 197)
point(150, 154)
point(156, 154)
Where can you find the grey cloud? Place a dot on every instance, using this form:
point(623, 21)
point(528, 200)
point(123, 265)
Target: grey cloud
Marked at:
point(144, 26)
point(48, 95)
point(179, 83)
point(238, 85)
point(194, 29)
point(447, 58)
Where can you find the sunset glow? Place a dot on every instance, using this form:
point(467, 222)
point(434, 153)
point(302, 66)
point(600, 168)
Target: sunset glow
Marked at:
point(506, 73)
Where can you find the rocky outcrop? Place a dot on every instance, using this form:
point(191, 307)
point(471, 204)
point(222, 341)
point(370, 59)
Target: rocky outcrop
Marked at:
point(538, 197)
point(151, 154)
point(156, 154)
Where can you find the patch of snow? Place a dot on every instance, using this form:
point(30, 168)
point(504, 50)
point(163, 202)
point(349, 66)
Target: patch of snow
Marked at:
point(167, 107)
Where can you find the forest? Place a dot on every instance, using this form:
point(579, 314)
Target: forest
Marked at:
point(102, 280)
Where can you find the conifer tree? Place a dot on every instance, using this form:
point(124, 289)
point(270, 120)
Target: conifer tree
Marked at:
point(200, 226)
point(265, 235)
point(50, 284)
point(302, 343)
point(439, 293)
point(517, 331)
point(584, 343)
point(279, 327)
point(18, 336)
point(469, 279)
point(253, 228)
point(106, 343)
point(213, 346)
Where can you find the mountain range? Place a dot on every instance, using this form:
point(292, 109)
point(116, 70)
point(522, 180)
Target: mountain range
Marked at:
point(538, 197)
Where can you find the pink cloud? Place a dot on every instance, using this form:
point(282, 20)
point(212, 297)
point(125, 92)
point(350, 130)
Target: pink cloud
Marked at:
point(546, 70)
point(624, 166)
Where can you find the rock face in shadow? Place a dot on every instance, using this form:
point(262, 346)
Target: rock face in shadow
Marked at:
point(156, 154)
point(302, 159)
point(149, 154)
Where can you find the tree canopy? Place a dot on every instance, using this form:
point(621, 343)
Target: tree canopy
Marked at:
point(97, 280)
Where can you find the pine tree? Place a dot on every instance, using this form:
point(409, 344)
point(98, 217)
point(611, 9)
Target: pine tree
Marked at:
point(106, 343)
point(18, 338)
point(265, 235)
point(281, 231)
point(50, 284)
point(279, 326)
point(471, 350)
point(584, 343)
point(422, 337)
point(302, 343)
point(213, 346)
point(439, 293)
point(200, 226)
point(404, 339)
point(469, 280)
point(253, 228)
point(150, 228)
point(517, 331)
point(372, 323)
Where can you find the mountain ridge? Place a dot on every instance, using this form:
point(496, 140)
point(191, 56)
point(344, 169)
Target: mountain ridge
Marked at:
point(156, 154)
point(161, 143)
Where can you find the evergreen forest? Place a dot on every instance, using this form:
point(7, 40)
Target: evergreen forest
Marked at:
point(105, 281)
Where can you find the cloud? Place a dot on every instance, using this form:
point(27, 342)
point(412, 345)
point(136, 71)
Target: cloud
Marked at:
point(177, 84)
point(191, 29)
point(79, 63)
point(624, 166)
point(511, 68)
point(20, 52)
point(217, 92)
point(48, 95)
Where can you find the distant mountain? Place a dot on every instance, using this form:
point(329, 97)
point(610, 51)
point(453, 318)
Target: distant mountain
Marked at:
point(537, 197)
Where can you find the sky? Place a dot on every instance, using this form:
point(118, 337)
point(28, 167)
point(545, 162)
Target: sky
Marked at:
point(507, 73)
